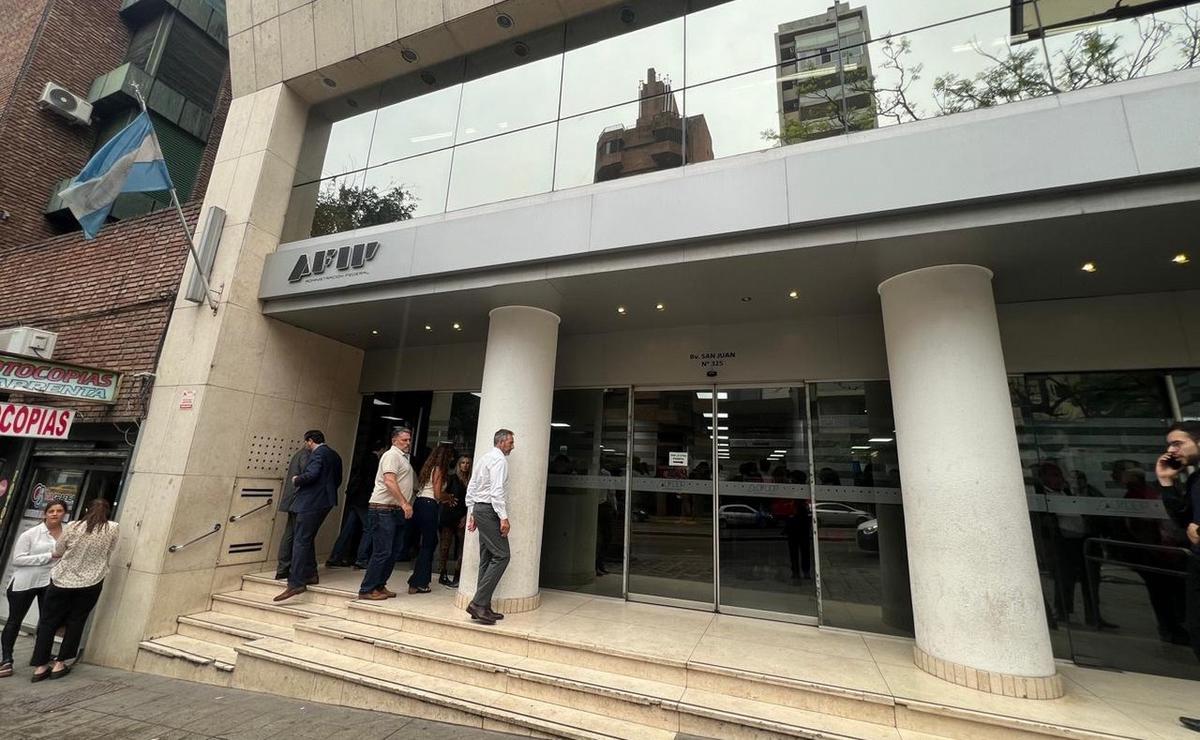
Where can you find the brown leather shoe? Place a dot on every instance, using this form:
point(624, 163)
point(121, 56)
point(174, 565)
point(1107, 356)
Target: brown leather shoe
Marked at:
point(494, 615)
point(373, 596)
point(479, 615)
point(387, 593)
point(289, 593)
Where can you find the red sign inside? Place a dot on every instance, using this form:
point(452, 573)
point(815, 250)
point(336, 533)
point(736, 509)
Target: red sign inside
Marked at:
point(19, 420)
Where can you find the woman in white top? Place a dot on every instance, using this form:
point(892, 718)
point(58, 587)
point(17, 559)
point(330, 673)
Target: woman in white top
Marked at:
point(32, 558)
point(83, 552)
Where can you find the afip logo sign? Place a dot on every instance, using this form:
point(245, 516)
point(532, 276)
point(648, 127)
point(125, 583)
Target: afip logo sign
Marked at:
point(341, 259)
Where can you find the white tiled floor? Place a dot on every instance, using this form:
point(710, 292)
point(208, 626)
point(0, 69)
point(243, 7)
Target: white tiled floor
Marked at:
point(1122, 704)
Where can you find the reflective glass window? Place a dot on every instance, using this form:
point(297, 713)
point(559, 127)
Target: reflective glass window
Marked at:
point(418, 114)
point(410, 188)
point(610, 52)
point(504, 167)
point(338, 137)
point(624, 140)
point(511, 86)
point(731, 38)
point(583, 530)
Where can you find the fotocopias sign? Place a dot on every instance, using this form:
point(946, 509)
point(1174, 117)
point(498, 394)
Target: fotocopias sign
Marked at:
point(31, 375)
point(19, 420)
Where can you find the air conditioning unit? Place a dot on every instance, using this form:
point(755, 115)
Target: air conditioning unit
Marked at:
point(60, 100)
point(28, 341)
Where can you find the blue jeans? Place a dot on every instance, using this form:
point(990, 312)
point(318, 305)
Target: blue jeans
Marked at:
point(385, 528)
point(424, 525)
point(354, 523)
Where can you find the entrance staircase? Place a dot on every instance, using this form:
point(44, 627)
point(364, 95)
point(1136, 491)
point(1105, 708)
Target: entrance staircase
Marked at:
point(323, 646)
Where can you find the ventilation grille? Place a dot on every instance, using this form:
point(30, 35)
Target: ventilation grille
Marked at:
point(267, 456)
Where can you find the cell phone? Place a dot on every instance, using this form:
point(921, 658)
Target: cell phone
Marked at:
point(1174, 463)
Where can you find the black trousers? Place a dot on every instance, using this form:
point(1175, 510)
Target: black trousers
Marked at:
point(68, 608)
point(286, 543)
point(18, 606)
point(304, 551)
point(1193, 602)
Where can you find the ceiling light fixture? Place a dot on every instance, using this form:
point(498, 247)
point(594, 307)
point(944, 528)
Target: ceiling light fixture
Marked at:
point(375, 332)
point(779, 452)
point(720, 415)
point(409, 55)
point(707, 395)
point(377, 402)
point(1088, 267)
point(428, 78)
point(428, 327)
point(505, 21)
point(560, 424)
point(328, 82)
point(392, 418)
point(457, 326)
point(880, 439)
point(746, 299)
point(1181, 259)
point(521, 49)
point(660, 307)
point(622, 310)
point(794, 295)
point(860, 447)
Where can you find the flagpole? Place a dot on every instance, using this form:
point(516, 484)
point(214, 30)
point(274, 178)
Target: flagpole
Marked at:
point(208, 291)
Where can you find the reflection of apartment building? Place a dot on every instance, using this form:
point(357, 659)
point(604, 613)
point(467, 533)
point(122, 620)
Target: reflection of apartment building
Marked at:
point(660, 139)
point(824, 74)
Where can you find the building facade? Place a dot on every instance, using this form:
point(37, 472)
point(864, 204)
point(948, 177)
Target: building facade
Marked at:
point(106, 303)
point(862, 382)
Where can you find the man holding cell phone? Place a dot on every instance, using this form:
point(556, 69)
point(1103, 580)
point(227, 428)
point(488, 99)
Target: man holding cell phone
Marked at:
point(1181, 497)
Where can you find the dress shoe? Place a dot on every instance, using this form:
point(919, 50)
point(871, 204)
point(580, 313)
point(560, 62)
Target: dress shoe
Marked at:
point(60, 674)
point(418, 589)
point(373, 596)
point(282, 576)
point(494, 615)
point(289, 593)
point(1191, 723)
point(360, 566)
point(479, 615)
point(313, 581)
point(387, 592)
point(43, 676)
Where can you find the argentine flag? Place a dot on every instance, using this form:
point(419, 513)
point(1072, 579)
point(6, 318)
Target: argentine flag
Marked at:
point(131, 162)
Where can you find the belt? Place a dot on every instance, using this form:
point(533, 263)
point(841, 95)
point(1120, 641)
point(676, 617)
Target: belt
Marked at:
point(382, 506)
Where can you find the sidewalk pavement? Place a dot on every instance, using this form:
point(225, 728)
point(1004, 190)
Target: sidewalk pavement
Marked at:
point(98, 702)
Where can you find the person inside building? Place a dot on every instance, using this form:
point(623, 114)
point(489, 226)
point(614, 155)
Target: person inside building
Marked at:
point(287, 497)
point(316, 496)
point(431, 487)
point(1181, 499)
point(389, 507)
point(487, 513)
point(32, 558)
point(452, 523)
point(352, 540)
point(82, 552)
point(1070, 533)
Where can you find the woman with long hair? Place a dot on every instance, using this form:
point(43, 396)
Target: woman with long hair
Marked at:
point(32, 558)
point(431, 487)
point(83, 552)
point(452, 522)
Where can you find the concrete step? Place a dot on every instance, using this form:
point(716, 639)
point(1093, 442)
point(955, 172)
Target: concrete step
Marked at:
point(311, 673)
point(180, 656)
point(228, 629)
point(317, 594)
point(260, 608)
point(656, 705)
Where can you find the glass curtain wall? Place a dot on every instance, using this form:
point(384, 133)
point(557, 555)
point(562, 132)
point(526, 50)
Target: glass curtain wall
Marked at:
point(583, 529)
point(655, 84)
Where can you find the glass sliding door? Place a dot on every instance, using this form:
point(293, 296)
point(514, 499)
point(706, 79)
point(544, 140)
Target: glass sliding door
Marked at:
point(764, 517)
point(671, 497)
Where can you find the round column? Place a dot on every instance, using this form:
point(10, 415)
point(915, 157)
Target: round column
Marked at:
point(977, 600)
point(517, 394)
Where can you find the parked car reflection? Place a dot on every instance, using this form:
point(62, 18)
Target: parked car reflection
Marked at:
point(742, 515)
point(833, 514)
point(867, 535)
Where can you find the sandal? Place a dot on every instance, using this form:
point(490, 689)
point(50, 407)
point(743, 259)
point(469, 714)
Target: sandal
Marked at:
point(418, 589)
point(6, 669)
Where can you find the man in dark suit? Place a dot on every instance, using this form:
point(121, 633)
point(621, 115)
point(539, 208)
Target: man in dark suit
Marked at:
point(316, 495)
point(286, 498)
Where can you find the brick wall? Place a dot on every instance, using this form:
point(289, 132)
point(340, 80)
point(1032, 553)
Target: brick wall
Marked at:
point(79, 40)
point(21, 20)
point(109, 300)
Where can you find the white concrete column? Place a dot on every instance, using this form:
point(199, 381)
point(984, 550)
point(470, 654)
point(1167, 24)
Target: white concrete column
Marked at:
point(977, 601)
point(517, 394)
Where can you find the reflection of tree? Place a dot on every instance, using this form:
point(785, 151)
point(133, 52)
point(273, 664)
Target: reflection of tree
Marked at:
point(342, 207)
point(1092, 58)
point(1089, 396)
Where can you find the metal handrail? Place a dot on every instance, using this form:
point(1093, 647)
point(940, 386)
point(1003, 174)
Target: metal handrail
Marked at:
point(237, 517)
point(1161, 549)
point(176, 548)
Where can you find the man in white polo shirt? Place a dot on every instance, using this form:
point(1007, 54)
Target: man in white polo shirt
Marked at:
point(487, 513)
point(390, 505)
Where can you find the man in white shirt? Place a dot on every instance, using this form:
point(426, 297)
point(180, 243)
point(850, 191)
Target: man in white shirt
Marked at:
point(390, 505)
point(487, 513)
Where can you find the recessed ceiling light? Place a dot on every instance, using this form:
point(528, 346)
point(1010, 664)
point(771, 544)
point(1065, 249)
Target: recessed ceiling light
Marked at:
point(392, 418)
point(504, 20)
point(622, 310)
point(720, 429)
point(1088, 267)
point(860, 447)
point(660, 307)
point(328, 82)
point(428, 327)
point(707, 395)
point(746, 299)
point(1181, 259)
point(780, 452)
point(627, 14)
point(409, 56)
point(559, 424)
point(794, 294)
point(377, 402)
point(880, 439)
point(375, 332)
point(521, 49)
point(456, 326)
point(428, 78)
point(720, 415)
